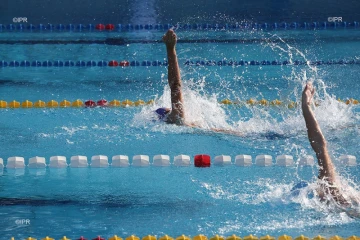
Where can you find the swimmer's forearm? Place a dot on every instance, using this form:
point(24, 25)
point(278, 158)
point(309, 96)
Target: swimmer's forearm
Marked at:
point(315, 135)
point(173, 68)
point(174, 80)
point(310, 120)
point(318, 143)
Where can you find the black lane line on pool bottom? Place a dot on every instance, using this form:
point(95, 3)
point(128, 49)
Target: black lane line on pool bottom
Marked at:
point(118, 201)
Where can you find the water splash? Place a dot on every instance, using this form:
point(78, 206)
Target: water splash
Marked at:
point(204, 111)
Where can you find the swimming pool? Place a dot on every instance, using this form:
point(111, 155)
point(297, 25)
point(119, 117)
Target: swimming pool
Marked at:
point(141, 201)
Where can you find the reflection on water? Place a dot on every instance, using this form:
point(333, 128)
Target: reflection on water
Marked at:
point(143, 12)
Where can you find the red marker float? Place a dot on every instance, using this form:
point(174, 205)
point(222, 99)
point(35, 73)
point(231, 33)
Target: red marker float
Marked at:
point(124, 64)
point(100, 27)
point(81, 238)
point(102, 103)
point(109, 27)
point(202, 161)
point(98, 238)
point(90, 103)
point(113, 63)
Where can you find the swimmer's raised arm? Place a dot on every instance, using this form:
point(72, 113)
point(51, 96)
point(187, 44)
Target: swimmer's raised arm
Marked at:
point(177, 114)
point(318, 143)
point(316, 138)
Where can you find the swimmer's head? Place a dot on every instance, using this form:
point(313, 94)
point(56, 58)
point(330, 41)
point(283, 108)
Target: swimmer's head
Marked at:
point(162, 112)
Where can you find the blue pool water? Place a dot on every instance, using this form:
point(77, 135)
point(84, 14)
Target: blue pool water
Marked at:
point(217, 200)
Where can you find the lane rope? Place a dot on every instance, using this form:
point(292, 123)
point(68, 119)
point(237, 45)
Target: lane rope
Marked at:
point(203, 237)
point(128, 103)
point(199, 160)
point(184, 27)
point(148, 63)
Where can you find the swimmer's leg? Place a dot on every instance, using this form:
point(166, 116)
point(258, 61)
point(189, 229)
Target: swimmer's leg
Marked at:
point(177, 114)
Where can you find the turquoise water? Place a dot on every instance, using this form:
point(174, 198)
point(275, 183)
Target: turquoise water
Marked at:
point(218, 200)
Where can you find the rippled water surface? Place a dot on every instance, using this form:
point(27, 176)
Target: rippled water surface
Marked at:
point(217, 200)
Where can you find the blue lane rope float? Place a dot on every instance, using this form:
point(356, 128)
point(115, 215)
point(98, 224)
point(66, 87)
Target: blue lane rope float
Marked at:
point(185, 27)
point(148, 63)
point(268, 63)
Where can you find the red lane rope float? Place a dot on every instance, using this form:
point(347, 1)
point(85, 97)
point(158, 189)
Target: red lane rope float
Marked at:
point(90, 103)
point(98, 238)
point(100, 27)
point(202, 160)
point(110, 27)
point(124, 64)
point(102, 103)
point(113, 63)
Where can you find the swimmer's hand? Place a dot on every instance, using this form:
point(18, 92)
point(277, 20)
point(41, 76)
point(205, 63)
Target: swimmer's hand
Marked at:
point(170, 39)
point(308, 94)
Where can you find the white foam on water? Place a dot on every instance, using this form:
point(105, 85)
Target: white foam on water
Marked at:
point(72, 130)
point(207, 113)
point(203, 111)
point(316, 213)
point(269, 190)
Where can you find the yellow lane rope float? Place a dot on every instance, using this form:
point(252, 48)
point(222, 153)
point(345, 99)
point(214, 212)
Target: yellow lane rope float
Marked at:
point(65, 103)
point(75, 104)
point(128, 103)
point(166, 237)
point(216, 237)
point(39, 104)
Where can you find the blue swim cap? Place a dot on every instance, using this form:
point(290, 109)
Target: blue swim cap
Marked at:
point(161, 112)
